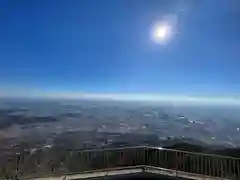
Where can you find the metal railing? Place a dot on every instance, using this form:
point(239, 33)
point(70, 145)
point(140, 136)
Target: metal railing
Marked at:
point(70, 162)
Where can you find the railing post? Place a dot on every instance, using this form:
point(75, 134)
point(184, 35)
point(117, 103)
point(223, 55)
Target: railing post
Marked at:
point(222, 167)
point(158, 152)
point(233, 169)
point(217, 169)
point(213, 166)
point(238, 168)
point(229, 165)
point(194, 164)
point(201, 165)
point(145, 156)
point(104, 159)
point(184, 161)
point(166, 159)
point(176, 160)
point(204, 164)
point(225, 168)
point(187, 162)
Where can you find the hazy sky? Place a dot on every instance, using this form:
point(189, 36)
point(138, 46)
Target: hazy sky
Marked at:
point(105, 46)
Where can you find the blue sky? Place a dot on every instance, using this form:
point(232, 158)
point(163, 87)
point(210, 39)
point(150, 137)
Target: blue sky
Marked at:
point(105, 47)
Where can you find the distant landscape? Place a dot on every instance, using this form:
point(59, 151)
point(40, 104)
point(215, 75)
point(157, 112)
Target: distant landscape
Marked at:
point(53, 126)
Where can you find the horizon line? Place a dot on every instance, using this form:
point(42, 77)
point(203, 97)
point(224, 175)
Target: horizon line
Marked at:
point(150, 97)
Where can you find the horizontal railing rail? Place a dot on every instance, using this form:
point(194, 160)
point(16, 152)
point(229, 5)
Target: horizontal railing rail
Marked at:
point(57, 161)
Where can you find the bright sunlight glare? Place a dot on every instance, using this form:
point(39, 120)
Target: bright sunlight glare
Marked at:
point(160, 33)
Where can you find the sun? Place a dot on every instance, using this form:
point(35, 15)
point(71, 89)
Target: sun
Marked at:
point(160, 33)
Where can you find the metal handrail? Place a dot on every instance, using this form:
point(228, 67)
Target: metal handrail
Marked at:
point(156, 147)
point(88, 160)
